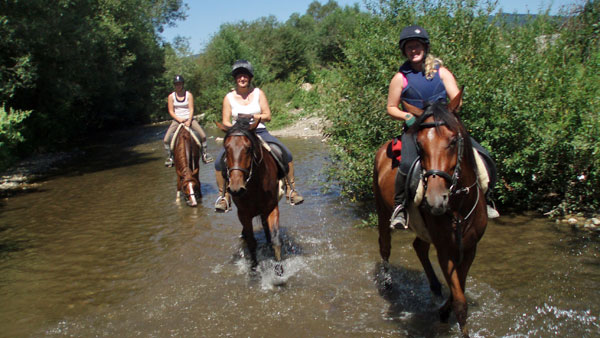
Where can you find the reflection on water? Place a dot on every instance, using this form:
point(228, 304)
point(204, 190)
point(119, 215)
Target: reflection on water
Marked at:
point(104, 250)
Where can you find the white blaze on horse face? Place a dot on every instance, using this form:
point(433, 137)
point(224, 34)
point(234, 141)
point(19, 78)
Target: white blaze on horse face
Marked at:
point(192, 194)
point(430, 134)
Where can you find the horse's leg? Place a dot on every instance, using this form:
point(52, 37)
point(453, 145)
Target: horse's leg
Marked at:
point(457, 300)
point(248, 235)
point(273, 221)
point(463, 270)
point(265, 224)
point(422, 249)
point(385, 233)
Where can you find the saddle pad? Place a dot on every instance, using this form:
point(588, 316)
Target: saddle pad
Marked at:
point(397, 149)
point(172, 144)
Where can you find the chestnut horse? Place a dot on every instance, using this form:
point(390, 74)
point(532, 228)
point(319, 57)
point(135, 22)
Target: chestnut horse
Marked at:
point(253, 184)
point(452, 215)
point(186, 155)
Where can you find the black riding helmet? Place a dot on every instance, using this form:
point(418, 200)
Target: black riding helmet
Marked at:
point(242, 66)
point(414, 33)
point(178, 79)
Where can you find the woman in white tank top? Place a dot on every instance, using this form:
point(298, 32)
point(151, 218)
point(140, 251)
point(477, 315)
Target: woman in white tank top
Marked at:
point(246, 100)
point(181, 108)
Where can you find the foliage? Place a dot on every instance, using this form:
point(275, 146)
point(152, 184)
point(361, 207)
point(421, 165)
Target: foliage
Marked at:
point(79, 66)
point(531, 97)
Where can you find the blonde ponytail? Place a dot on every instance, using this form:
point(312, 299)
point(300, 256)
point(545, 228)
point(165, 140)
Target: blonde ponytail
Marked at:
point(431, 65)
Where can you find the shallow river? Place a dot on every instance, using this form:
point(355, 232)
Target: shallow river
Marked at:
point(104, 250)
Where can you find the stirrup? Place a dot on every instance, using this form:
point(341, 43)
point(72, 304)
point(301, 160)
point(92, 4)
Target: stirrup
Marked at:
point(290, 197)
point(492, 212)
point(227, 204)
point(169, 162)
point(399, 218)
point(207, 158)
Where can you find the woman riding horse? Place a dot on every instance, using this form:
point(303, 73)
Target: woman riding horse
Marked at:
point(181, 108)
point(449, 208)
point(421, 80)
point(247, 101)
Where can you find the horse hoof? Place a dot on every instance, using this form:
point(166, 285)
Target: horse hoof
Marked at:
point(279, 269)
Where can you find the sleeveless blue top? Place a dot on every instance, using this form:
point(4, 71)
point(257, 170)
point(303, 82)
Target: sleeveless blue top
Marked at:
point(419, 89)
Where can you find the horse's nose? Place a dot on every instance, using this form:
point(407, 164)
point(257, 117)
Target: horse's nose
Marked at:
point(237, 192)
point(438, 203)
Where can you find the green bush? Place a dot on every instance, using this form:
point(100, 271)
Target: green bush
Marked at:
point(530, 98)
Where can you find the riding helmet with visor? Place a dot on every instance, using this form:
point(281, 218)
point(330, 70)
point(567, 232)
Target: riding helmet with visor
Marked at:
point(178, 79)
point(242, 66)
point(414, 33)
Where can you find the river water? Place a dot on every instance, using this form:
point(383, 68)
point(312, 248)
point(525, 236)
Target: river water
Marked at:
point(103, 249)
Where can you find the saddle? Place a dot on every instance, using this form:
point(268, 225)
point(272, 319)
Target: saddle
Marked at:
point(279, 156)
point(194, 137)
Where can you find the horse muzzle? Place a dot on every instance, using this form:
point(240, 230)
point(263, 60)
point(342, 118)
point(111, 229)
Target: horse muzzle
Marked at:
point(437, 201)
point(237, 191)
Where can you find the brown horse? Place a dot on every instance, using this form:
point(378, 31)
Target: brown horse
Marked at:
point(452, 215)
point(253, 184)
point(186, 155)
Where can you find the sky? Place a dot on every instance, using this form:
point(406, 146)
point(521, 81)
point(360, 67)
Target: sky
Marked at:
point(204, 18)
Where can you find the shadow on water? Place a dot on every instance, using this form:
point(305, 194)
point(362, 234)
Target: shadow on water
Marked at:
point(412, 306)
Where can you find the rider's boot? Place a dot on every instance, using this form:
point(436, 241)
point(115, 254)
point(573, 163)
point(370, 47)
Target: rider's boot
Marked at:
point(292, 195)
point(206, 157)
point(223, 203)
point(398, 219)
point(169, 160)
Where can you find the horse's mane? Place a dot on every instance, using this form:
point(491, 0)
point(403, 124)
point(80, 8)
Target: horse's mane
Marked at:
point(442, 116)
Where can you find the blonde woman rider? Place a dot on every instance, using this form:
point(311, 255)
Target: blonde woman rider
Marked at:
point(421, 80)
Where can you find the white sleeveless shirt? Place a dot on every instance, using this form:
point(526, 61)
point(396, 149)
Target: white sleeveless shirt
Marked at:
point(181, 108)
point(238, 109)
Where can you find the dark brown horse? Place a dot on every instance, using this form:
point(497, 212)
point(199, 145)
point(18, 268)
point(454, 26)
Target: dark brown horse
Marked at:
point(452, 215)
point(186, 155)
point(253, 184)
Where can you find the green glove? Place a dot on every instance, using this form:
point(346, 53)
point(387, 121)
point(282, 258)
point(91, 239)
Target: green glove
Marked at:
point(410, 121)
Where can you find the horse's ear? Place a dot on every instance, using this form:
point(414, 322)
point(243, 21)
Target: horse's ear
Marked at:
point(222, 127)
point(254, 125)
point(454, 104)
point(412, 109)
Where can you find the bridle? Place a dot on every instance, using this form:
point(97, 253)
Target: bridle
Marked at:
point(187, 196)
point(247, 172)
point(457, 218)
